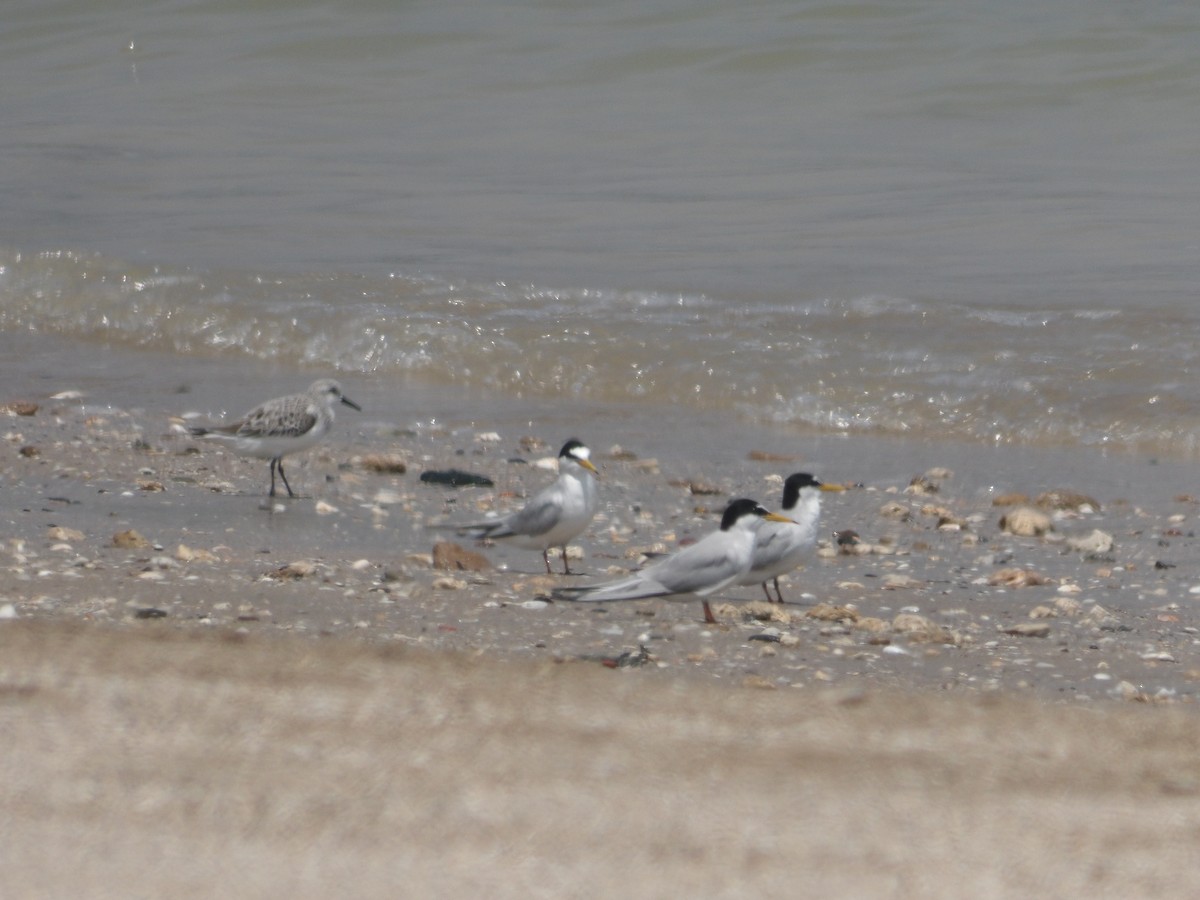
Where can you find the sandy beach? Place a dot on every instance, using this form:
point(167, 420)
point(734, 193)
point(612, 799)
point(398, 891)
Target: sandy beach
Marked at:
point(272, 697)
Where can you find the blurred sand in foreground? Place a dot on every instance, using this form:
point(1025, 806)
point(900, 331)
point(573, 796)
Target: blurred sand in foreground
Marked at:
point(165, 764)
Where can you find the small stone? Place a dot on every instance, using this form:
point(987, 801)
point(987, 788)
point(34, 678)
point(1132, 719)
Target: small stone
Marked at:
point(451, 557)
point(1097, 543)
point(1042, 612)
point(1123, 690)
point(1029, 629)
point(21, 408)
point(1067, 500)
point(630, 659)
point(293, 571)
point(872, 625)
point(456, 478)
point(922, 485)
point(826, 612)
point(62, 533)
point(1067, 606)
point(324, 509)
point(1010, 500)
point(770, 636)
point(533, 604)
point(1024, 521)
point(150, 612)
point(449, 584)
point(757, 681)
point(898, 581)
point(184, 553)
point(918, 628)
point(1015, 578)
point(129, 540)
point(1158, 656)
point(761, 611)
point(384, 463)
point(546, 464)
point(8, 611)
point(1099, 617)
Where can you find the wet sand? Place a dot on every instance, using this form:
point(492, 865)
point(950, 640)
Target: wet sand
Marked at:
point(288, 697)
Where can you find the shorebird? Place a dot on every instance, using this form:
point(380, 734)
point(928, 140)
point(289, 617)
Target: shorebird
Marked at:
point(281, 426)
point(780, 546)
point(553, 516)
point(716, 561)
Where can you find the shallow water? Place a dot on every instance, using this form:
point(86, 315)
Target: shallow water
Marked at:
point(966, 222)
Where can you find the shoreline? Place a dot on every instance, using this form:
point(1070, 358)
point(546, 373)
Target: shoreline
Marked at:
point(1122, 623)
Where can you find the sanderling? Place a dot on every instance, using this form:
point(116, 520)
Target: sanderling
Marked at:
point(715, 561)
point(554, 515)
point(281, 426)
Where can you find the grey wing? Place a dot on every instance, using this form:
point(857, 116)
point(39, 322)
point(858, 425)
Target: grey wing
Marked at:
point(701, 568)
point(772, 545)
point(539, 515)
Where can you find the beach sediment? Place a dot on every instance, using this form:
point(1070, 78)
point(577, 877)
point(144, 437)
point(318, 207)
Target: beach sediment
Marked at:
point(293, 689)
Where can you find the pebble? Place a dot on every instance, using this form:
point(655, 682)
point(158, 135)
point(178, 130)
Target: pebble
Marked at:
point(1016, 578)
point(8, 611)
point(184, 553)
point(384, 463)
point(451, 557)
point(894, 510)
point(456, 478)
point(61, 533)
point(1095, 544)
point(1029, 629)
point(921, 628)
point(129, 540)
point(534, 604)
point(1123, 690)
point(299, 569)
point(1024, 521)
point(1067, 500)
